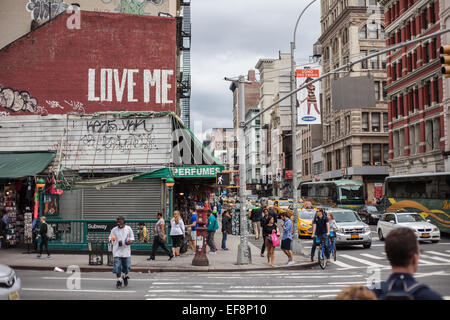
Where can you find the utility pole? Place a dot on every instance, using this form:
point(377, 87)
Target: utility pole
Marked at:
point(244, 253)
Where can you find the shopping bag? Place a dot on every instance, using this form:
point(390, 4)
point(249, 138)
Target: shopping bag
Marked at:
point(275, 239)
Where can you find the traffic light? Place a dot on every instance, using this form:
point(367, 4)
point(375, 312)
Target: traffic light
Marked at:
point(445, 60)
point(223, 179)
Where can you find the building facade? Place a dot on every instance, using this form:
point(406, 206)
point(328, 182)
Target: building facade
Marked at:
point(253, 152)
point(444, 13)
point(276, 124)
point(221, 144)
point(355, 138)
point(415, 88)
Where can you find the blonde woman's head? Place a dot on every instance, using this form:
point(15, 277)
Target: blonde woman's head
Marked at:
point(176, 216)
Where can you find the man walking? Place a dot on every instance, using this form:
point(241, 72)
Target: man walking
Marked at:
point(286, 240)
point(159, 240)
point(193, 226)
point(211, 227)
point(121, 237)
point(402, 250)
point(43, 232)
point(256, 217)
point(226, 228)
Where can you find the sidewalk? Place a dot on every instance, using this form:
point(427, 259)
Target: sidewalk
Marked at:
point(221, 261)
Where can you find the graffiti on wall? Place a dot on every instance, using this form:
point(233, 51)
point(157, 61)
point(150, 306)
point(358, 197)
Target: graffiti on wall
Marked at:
point(42, 9)
point(17, 101)
point(118, 135)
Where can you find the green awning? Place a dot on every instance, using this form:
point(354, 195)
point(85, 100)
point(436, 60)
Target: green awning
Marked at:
point(14, 165)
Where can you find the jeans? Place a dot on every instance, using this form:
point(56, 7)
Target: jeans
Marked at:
point(44, 242)
point(157, 242)
point(324, 238)
point(122, 265)
point(210, 241)
point(224, 239)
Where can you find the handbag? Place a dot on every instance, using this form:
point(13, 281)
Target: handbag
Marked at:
point(274, 239)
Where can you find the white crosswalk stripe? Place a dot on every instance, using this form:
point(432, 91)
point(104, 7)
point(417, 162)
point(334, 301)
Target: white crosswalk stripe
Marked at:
point(342, 264)
point(435, 258)
point(439, 253)
point(363, 261)
point(372, 256)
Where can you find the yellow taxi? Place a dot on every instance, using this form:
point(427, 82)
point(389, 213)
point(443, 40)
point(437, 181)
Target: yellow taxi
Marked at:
point(305, 218)
point(281, 206)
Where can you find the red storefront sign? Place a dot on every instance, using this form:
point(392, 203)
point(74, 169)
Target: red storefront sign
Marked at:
point(114, 62)
point(289, 174)
point(378, 190)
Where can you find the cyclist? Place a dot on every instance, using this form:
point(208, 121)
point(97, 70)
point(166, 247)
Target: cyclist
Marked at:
point(321, 229)
point(333, 229)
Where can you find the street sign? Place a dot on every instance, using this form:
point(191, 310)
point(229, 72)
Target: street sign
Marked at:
point(223, 179)
point(307, 73)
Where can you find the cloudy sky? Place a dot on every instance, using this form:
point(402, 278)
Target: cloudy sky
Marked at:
point(228, 39)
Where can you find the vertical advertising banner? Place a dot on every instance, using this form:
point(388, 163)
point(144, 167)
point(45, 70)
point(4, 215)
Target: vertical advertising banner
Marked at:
point(308, 99)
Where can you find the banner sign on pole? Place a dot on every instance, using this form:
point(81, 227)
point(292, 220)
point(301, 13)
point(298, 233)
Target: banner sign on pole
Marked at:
point(308, 102)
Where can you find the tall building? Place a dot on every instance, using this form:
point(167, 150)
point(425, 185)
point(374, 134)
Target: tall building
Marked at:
point(415, 88)
point(251, 92)
point(221, 145)
point(253, 152)
point(355, 135)
point(444, 13)
point(276, 124)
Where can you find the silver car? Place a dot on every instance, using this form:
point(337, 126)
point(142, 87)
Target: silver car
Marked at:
point(350, 228)
point(9, 283)
point(424, 230)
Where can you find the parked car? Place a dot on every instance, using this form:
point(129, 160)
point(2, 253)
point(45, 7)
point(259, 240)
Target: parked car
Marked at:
point(370, 214)
point(9, 283)
point(425, 231)
point(351, 230)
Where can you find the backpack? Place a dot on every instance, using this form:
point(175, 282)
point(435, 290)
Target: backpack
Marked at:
point(401, 294)
point(50, 232)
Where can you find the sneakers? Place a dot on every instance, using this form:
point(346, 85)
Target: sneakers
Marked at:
point(119, 284)
point(226, 249)
point(125, 280)
point(49, 258)
point(148, 259)
point(171, 257)
point(212, 252)
point(290, 262)
point(39, 256)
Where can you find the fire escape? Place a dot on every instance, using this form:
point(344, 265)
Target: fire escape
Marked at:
point(184, 83)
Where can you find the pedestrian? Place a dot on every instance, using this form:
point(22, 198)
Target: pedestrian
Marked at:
point(121, 237)
point(177, 231)
point(226, 228)
point(256, 217)
point(321, 229)
point(143, 234)
point(286, 240)
point(264, 221)
point(211, 227)
point(402, 250)
point(159, 240)
point(356, 292)
point(193, 226)
point(3, 228)
point(43, 232)
point(268, 230)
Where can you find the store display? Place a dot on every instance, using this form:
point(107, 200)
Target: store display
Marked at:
point(15, 225)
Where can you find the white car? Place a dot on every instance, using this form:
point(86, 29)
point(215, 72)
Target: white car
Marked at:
point(350, 228)
point(425, 231)
point(9, 283)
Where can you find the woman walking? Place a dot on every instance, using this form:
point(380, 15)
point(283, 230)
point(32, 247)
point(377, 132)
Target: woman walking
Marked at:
point(267, 231)
point(176, 232)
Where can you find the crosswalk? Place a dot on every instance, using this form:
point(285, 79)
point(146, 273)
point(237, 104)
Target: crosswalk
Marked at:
point(350, 268)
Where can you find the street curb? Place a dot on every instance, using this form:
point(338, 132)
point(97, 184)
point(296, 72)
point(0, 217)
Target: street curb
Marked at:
point(303, 266)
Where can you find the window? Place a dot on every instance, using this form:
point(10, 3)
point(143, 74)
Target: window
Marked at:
point(363, 53)
point(412, 139)
point(372, 2)
point(329, 162)
point(365, 121)
point(374, 61)
point(396, 143)
point(426, 51)
point(377, 90)
point(385, 122)
point(385, 153)
point(394, 71)
point(436, 133)
point(348, 156)
point(338, 128)
point(376, 154)
point(347, 124)
point(425, 19)
point(366, 154)
point(375, 122)
point(383, 61)
point(338, 159)
point(361, 3)
point(433, 13)
point(436, 89)
point(428, 93)
point(373, 30)
point(384, 90)
point(363, 33)
point(395, 107)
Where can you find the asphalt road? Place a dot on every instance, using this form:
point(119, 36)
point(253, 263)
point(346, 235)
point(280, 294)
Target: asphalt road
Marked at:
point(355, 265)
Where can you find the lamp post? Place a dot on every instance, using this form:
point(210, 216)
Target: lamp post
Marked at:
point(296, 243)
point(244, 253)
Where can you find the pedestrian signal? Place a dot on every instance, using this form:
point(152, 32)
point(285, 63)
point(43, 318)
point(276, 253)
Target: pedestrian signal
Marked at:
point(223, 179)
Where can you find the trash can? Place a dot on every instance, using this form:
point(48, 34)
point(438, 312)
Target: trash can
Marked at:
point(95, 249)
point(110, 259)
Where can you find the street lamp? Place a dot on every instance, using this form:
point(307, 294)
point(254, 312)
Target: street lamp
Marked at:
point(296, 243)
point(244, 253)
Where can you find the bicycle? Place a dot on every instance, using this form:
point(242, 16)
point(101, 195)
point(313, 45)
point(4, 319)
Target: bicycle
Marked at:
point(321, 254)
point(332, 246)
